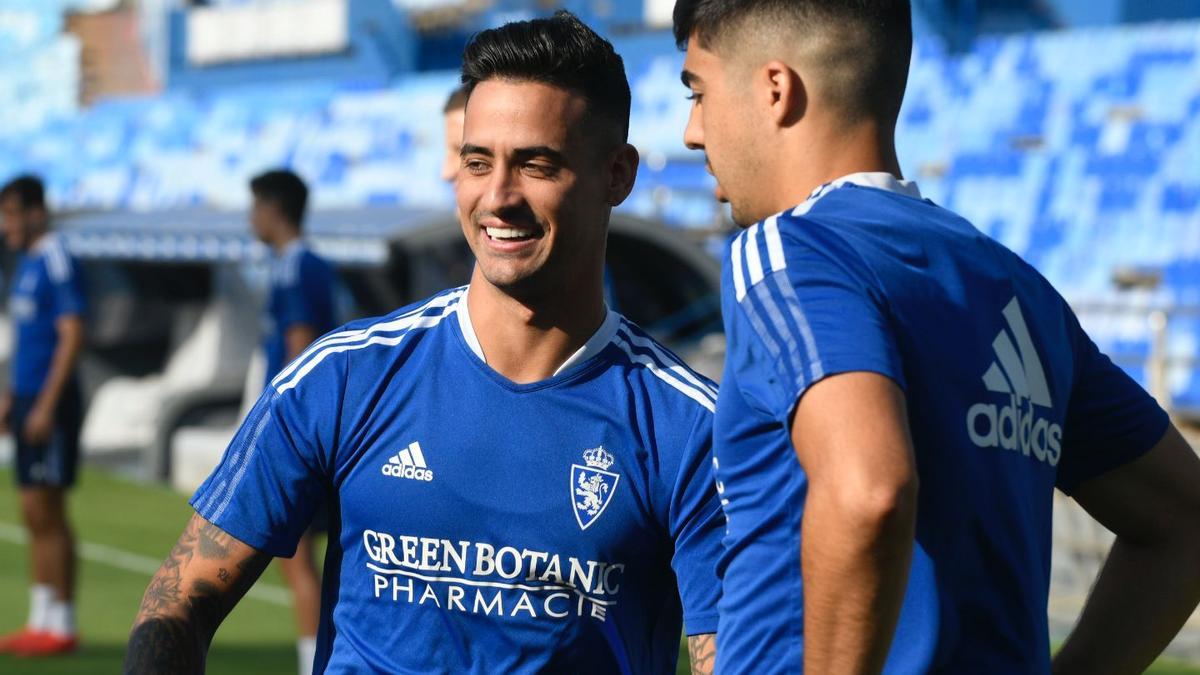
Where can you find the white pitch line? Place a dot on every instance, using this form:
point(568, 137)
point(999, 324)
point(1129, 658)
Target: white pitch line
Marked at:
point(140, 564)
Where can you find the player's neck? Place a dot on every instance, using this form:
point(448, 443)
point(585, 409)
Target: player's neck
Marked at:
point(284, 239)
point(35, 237)
point(527, 340)
point(864, 148)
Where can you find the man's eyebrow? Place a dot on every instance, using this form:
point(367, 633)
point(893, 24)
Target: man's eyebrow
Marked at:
point(688, 77)
point(468, 149)
point(546, 151)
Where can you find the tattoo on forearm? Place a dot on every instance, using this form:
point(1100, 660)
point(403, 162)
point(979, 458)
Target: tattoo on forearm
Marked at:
point(175, 625)
point(702, 652)
point(214, 542)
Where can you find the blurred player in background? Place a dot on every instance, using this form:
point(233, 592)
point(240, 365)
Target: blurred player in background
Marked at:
point(887, 344)
point(522, 477)
point(453, 114)
point(43, 412)
point(300, 309)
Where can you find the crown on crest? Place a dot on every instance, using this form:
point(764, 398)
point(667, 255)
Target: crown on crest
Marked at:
point(597, 458)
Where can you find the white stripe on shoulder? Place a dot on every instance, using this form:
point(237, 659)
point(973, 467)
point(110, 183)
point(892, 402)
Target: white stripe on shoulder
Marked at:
point(379, 340)
point(735, 270)
point(361, 335)
point(295, 257)
point(774, 244)
point(56, 261)
point(667, 375)
point(673, 362)
point(807, 205)
point(753, 260)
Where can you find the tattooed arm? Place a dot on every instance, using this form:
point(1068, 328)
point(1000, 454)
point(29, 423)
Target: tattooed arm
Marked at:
point(203, 577)
point(702, 652)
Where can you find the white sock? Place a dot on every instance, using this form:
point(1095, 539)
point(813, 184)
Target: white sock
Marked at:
point(306, 649)
point(60, 618)
point(40, 597)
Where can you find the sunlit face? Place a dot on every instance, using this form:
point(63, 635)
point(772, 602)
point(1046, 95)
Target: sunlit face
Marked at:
point(723, 124)
point(453, 122)
point(16, 223)
point(533, 190)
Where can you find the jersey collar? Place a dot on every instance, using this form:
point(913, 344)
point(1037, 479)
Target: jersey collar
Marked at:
point(593, 346)
point(291, 248)
point(880, 180)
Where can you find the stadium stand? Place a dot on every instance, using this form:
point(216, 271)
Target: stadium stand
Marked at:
point(1065, 146)
point(1077, 150)
point(41, 67)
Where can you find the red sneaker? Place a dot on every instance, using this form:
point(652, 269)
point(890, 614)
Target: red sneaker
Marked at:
point(10, 642)
point(46, 644)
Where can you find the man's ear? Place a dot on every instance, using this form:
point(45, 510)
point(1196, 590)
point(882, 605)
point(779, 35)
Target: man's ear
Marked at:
point(782, 91)
point(622, 172)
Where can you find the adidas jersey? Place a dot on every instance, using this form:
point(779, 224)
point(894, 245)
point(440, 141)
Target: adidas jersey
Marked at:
point(45, 288)
point(1007, 397)
point(566, 525)
point(301, 294)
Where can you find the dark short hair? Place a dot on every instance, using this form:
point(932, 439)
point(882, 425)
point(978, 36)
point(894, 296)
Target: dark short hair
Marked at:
point(28, 189)
point(284, 188)
point(560, 51)
point(457, 100)
point(880, 58)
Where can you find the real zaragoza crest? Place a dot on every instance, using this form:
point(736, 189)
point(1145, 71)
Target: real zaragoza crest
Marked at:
point(592, 486)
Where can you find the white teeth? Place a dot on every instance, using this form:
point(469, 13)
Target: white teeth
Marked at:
point(507, 233)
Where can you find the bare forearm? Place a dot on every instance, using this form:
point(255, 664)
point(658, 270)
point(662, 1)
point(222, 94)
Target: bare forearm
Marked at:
point(1143, 595)
point(855, 570)
point(702, 653)
point(297, 339)
point(62, 363)
point(173, 636)
point(201, 580)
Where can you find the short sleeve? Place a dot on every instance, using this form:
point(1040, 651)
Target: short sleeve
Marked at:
point(65, 282)
point(273, 474)
point(697, 524)
point(1111, 420)
point(803, 310)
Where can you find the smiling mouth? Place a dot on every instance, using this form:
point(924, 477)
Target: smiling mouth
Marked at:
point(511, 233)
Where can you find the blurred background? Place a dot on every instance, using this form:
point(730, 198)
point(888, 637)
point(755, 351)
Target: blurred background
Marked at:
point(1067, 129)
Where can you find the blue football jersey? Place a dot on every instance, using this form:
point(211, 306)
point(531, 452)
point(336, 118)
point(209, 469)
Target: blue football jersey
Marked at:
point(45, 288)
point(479, 525)
point(1007, 397)
point(301, 294)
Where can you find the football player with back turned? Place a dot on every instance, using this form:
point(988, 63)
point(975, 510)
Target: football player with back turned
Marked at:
point(902, 395)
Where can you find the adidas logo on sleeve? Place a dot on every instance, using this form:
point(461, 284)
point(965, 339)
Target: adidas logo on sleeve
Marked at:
point(1017, 374)
point(409, 463)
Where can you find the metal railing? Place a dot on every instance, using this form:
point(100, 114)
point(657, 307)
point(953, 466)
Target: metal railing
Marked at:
point(1159, 363)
